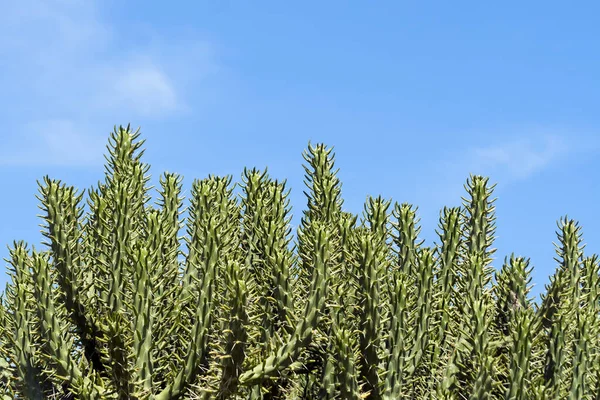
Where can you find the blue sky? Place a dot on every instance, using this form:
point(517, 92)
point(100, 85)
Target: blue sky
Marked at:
point(413, 97)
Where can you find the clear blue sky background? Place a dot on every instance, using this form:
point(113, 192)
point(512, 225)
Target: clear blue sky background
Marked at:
point(413, 97)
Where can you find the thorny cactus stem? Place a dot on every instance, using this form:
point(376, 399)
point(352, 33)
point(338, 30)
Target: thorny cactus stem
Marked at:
point(287, 353)
point(118, 306)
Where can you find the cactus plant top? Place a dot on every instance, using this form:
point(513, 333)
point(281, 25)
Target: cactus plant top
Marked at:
point(115, 304)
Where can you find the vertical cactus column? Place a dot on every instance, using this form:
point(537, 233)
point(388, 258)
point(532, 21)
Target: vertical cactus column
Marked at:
point(585, 338)
point(266, 240)
point(20, 321)
point(591, 303)
point(405, 285)
point(6, 371)
point(165, 274)
point(446, 304)
point(324, 206)
point(371, 263)
point(469, 369)
point(302, 334)
point(558, 311)
point(513, 322)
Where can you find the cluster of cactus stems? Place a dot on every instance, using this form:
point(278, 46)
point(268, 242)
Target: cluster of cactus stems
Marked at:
point(118, 304)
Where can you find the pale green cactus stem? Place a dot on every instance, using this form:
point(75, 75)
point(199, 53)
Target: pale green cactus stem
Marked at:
point(424, 267)
point(519, 380)
point(302, 335)
point(164, 273)
point(407, 229)
point(62, 216)
point(323, 183)
point(470, 360)
point(479, 234)
point(537, 391)
point(57, 343)
point(559, 307)
point(483, 386)
point(210, 238)
point(6, 370)
point(398, 342)
point(481, 348)
point(324, 205)
point(347, 351)
point(120, 240)
point(407, 247)
point(205, 206)
point(125, 202)
point(166, 270)
point(324, 202)
point(510, 292)
point(265, 240)
point(579, 383)
point(346, 370)
point(276, 233)
point(347, 225)
point(329, 379)
point(340, 374)
point(371, 267)
point(585, 348)
point(376, 217)
point(29, 374)
point(376, 212)
point(212, 208)
point(235, 333)
point(448, 254)
point(591, 282)
point(202, 317)
point(408, 365)
point(228, 337)
point(448, 386)
point(554, 321)
point(591, 295)
point(473, 355)
point(118, 341)
point(342, 311)
point(96, 251)
point(145, 258)
point(570, 253)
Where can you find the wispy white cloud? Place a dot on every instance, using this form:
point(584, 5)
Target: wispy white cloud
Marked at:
point(519, 158)
point(146, 89)
point(72, 68)
point(56, 143)
point(504, 158)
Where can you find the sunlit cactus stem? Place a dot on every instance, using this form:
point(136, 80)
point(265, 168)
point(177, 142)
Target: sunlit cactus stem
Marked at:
point(301, 337)
point(445, 303)
point(21, 336)
point(558, 310)
point(119, 305)
point(398, 342)
point(519, 379)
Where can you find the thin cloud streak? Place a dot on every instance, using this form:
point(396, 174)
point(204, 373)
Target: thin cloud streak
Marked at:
point(520, 158)
point(56, 143)
point(505, 160)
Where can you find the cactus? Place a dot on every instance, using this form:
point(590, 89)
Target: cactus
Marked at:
point(115, 304)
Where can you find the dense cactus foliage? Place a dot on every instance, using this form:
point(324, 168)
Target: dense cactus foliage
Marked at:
point(117, 305)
